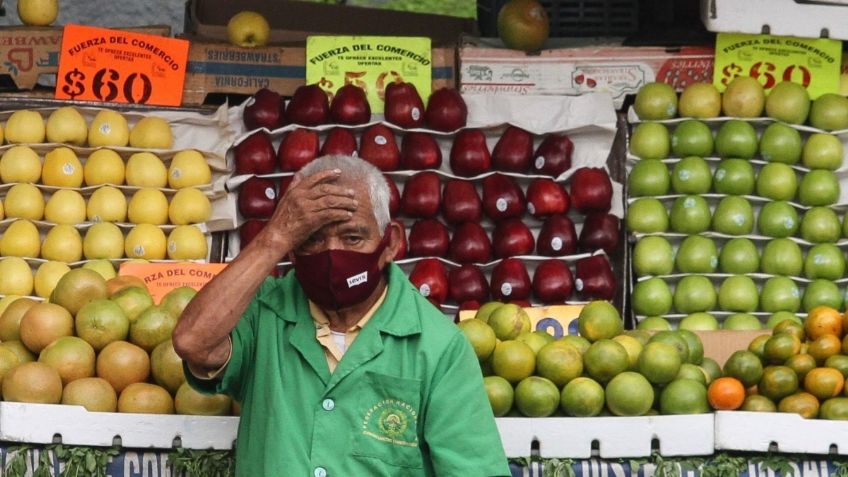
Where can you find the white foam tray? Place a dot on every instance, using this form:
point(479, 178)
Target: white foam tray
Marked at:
point(617, 437)
point(759, 431)
point(39, 423)
point(782, 17)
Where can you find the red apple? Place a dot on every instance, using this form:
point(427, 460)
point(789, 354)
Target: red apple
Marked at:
point(600, 231)
point(431, 279)
point(470, 244)
point(546, 197)
point(421, 195)
point(460, 202)
point(513, 151)
point(255, 155)
point(378, 147)
point(557, 237)
point(470, 304)
point(404, 106)
point(512, 237)
point(264, 110)
point(420, 151)
point(284, 184)
point(502, 197)
point(428, 238)
point(469, 154)
point(510, 280)
point(521, 303)
point(591, 190)
point(401, 253)
point(309, 106)
point(248, 230)
point(595, 278)
point(298, 148)
point(468, 284)
point(350, 106)
point(394, 197)
point(339, 141)
point(257, 198)
point(446, 110)
point(553, 281)
point(553, 156)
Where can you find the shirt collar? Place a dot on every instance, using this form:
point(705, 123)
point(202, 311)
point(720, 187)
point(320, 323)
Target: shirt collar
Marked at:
point(321, 319)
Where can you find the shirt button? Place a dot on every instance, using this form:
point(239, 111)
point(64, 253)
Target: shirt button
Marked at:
point(328, 405)
point(320, 472)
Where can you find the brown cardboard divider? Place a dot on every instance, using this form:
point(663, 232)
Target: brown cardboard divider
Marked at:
point(720, 344)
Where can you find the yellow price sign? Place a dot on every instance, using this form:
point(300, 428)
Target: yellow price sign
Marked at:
point(369, 62)
point(812, 63)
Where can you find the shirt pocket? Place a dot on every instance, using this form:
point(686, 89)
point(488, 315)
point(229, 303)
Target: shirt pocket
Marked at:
point(388, 420)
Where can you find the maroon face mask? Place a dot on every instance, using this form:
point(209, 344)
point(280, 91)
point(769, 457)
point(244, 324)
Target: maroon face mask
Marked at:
point(336, 279)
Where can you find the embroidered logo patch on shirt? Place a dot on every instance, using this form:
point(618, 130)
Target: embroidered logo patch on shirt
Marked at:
point(392, 421)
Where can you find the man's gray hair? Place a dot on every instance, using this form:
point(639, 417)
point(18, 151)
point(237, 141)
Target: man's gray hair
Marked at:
point(355, 169)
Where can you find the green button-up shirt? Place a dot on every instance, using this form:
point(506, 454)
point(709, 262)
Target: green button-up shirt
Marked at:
point(407, 398)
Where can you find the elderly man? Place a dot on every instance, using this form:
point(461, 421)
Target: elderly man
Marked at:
point(342, 367)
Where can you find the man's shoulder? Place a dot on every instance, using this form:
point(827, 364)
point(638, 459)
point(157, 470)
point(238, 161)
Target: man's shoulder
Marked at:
point(434, 323)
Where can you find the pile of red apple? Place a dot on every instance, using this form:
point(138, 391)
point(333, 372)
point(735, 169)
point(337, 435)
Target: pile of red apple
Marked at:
point(463, 224)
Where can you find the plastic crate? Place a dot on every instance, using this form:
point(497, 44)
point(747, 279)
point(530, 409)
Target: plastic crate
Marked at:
point(572, 18)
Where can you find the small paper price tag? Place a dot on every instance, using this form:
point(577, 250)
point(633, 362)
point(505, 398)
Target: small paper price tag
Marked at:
point(812, 63)
point(99, 64)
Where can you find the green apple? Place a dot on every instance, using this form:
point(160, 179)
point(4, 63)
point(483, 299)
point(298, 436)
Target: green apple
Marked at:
point(780, 143)
point(822, 151)
point(657, 323)
point(656, 101)
point(821, 292)
point(699, 100)
point(829, 112)
point(699, 322)
point(741, 322)
point(780, 294)
point(782, 257)
point(820, 225)
point(788, 102)
point(777, 181)
point(733, 216)
point(739, 256)
point(734, 177)
point(779, 316)
point(648, 178)
point(825, 261)
point(692, 138)
point(650, 141)
point(778, 219)
point(738, 293)
point(736, 138)
point(653, 255)
point(647, 215)
point(690, 214)
point(691, 175)
point(818, 187)
point(694, 293)
point(696, 254)
point(651, 297)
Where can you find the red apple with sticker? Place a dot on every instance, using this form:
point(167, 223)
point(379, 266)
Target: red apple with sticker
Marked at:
point(378, 147)
point(265, 109)
point(595, 278)
point(255, 155)
point(460, 202)
point(428, 238)
point(421, 195)
point(514, 151)
point(419, 151)
point(510, 280)
point(257, 198)
point(468, 284)
point(404, 106)
point(503, 197)
point(553, 281)
point(309, 106)
point(446, 110)
point(512, 237)
point(557, 237)
point(469, 155)
point(553, 156)
point(470, 244)
point(591, 190)
point(430, 277)
point(298, 148)
point(601, 231)
point(339, 141)
point(546, 197)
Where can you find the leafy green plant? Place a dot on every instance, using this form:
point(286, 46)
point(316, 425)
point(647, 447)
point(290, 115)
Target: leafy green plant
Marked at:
point(84, 461)
point(201, 463)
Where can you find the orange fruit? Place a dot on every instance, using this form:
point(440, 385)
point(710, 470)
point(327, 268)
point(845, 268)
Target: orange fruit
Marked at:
point(758, 345)
point(789, 326)
point(801, 403)
point(824, 347)
point(604, 360)
point(513, 360)
point(777, 382)
point(523, 25)
point(823, 320)
point(582, 397)
point(599, 320)
point(757, 403)
point(845, 345)
point(824, 383)
point(801, 363)
point(684, 396)
point(744, 366)
point(536, 397)
point(726, 394)
point(838, 362)
point(780, 347)
point(500, 393)
point(834, 409)
point(629, 394)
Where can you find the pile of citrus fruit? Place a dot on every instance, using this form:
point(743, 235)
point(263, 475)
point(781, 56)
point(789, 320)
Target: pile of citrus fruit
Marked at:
point(604, 371)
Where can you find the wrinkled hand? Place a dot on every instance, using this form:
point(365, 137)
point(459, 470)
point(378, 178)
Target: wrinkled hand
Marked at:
point(308, 205)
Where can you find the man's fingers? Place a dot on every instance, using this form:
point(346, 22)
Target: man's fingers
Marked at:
point(321, 177)
point(336, 202)
point(326, 189)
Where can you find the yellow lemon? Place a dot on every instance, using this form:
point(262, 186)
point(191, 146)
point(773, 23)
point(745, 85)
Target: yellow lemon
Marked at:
point(189, 206)
point(66, 125)
point(148, 206)
point(144, 169)
point(21, 239)
point(108, 128)
point(47, 276)
point(187, 242)
point(188, 168)
point(104, 166)
point(152, 133)
point(102, 266)
point(25, 201)
point(6, 301)
point(61, 168)
point(20, 164)
point(38, 12)
point(62, 243)
point(145, 241)
point(103, 240)
point(107, 204)
point(25, 126)
point(15, 277)
point(65, 206)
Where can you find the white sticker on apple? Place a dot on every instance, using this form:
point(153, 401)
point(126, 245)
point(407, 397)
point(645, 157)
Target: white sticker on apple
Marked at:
point(176, 173)
point(789, 223)
point(556, 243)
point(138, 250)
point(739, 219)
point(425, 290)
point(172, 246)
point(381, 140)
point(689, 202)
point(531, 208)
point(506, 289)
point(416, 114)
point(68, 168)
point(683, 175)
point(501, 204)
point(269, 193)
point(713, 261)
point(105, 128)
point(578, 284)
point(249, 102)
point(719, 175)
point(819, 259)
point(540, 162)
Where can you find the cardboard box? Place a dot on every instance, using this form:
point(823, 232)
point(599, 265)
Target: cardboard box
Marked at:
point(720, 344)
point(779, 432)
point(572, 71)
point(29, 52)
point(825, 19)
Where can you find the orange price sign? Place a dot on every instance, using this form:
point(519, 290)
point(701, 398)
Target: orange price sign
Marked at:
point(161, 278)
point(99, 64)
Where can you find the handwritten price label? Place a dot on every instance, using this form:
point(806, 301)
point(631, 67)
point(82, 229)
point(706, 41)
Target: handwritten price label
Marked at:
point(99, 64)
point(369, 62)
point(812, 63)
